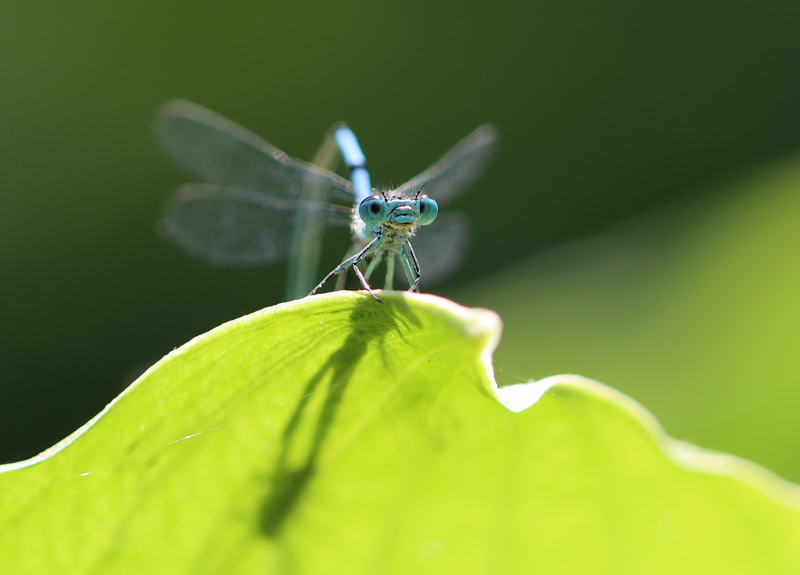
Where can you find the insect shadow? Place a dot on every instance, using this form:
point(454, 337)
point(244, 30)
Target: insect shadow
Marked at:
point(369, 324)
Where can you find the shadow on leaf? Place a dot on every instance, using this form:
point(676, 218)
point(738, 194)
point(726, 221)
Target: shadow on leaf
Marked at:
point(370, 322)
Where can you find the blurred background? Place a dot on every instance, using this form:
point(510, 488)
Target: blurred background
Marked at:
point(640, 224)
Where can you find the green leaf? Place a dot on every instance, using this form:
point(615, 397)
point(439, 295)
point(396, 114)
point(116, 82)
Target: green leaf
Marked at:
point(339, 435)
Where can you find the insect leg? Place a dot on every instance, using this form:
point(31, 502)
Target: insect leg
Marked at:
point(364, 282)
point(411, 267)
point(351, 261)
point(341, 278)
point(407, 269)
point(389, 271)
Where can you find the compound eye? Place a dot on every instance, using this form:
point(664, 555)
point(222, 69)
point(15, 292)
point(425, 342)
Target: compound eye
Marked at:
point(428, 210)
point(373, 211)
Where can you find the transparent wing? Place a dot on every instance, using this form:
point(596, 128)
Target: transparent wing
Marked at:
point(458, 168)
point(214, 149)
point(440, 248)
point(232, 227)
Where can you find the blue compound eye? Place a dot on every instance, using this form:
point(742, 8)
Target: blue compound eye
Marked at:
point(428, 210)
point(373, 211)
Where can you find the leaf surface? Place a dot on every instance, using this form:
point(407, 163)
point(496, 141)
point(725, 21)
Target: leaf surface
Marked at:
point(338, 435)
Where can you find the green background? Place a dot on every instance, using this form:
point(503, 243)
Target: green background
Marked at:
point(604, 110)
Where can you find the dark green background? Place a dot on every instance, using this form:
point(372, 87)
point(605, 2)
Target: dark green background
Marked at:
point(604, 109)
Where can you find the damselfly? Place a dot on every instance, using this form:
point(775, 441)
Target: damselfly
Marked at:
point(257, 205)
